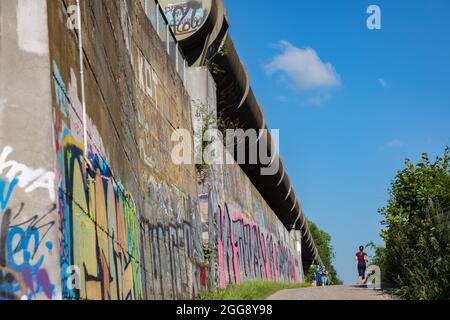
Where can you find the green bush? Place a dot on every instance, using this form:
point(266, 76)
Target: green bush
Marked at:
point(416, 259)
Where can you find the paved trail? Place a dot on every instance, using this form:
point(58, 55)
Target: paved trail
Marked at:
point(332, 293)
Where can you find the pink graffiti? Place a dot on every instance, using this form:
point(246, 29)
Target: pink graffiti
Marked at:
point(254, 251)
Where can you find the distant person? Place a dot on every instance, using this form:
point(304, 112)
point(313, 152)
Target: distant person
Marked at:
point(361, 258)
point(324, 278)
point(318, 275)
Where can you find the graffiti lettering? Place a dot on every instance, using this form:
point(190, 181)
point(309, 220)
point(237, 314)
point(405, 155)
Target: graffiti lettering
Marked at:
point(27, 178)
point(247, 252)
point(118, 253)
point(185, 17)
point(98, 220)
point(21, 258)
point(5, 193)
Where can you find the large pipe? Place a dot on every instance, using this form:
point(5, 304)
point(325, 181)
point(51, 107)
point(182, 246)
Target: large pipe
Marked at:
point(210, 45)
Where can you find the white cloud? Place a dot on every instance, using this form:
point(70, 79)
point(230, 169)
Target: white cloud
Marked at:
point(383, 83)
point(303, 68)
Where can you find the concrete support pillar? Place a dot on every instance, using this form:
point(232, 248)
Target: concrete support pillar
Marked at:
point(29, 245)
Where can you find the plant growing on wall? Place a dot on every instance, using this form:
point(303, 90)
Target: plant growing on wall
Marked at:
point(214, 67)
point(208, 119)
point(209, 253)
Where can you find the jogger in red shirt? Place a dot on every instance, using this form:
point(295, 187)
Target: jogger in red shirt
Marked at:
point(361, 258)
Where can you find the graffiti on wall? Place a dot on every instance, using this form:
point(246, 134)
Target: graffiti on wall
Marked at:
point(24, 242)
point(98, 228)
point(99, 255)
point(120, 254)
point(111, 246)
point(173, 272)
point(173, 245)
point(246, 250)
point(23, 250)
point(24, 177)
point(185, 17)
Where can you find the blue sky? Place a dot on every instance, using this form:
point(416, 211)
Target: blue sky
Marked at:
point(351, 104)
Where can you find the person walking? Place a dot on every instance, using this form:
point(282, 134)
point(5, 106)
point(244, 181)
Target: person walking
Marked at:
point(361, 258)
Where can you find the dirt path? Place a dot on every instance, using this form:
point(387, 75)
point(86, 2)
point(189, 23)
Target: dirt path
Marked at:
point(332, 293)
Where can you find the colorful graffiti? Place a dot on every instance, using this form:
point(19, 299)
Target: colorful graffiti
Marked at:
point(24, 242)
point(98, 227)
point(22, 271)
point(111, 246)
point(99, 257)
point(119, 253)
point(246, 250)
point(79, 231)
point(185, 17)
point(173, 244)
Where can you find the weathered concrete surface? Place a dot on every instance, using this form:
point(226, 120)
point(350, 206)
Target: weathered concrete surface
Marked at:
point(332, 293)
point(28, 215)
point(129, 216)
point(246, 236)
point(114, 218)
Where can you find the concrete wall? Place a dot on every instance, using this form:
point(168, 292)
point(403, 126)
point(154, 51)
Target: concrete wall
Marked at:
point(113, 218)
point(29, 238)
point(247, 240)
point(129, 216)
point(123, 218)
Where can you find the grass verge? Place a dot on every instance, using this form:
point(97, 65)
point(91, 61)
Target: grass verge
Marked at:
point(250, 290)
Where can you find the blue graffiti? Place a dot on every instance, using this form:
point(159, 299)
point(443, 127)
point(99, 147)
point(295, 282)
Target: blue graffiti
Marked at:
point(21, 247)
point(19, 256)
point(4, 198)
